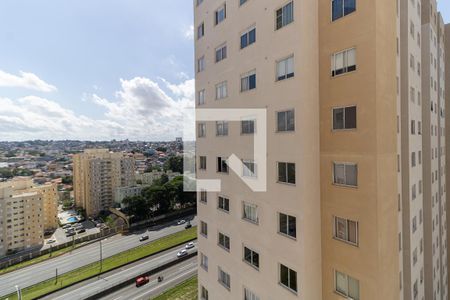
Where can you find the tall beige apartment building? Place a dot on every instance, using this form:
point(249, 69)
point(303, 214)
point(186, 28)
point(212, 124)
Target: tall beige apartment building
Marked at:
point(97, 173)
point(26, 210)
point(355, 206)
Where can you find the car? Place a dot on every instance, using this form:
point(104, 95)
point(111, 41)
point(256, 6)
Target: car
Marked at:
point(68, 230)
point(142, 280)
point(69, 234)
point(181, 222)
point(77, 226)
point(143, 238)
point(182, 253)
point(190, 245)
point(188, 225)
point(51, 241)
point(67, 226)
point(81, 230)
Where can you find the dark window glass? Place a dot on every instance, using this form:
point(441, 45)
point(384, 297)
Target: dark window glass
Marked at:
point(337, 9)
point(252, 81)
point(291, 173)
point(282, 173)
point(292, 230)
point(350, 117)
point(283, 223)
point(349, 6)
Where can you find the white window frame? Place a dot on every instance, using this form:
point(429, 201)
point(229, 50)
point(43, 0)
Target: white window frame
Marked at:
point(254, 220)
point(345, 165)
point(222, 90)
point(345, 62)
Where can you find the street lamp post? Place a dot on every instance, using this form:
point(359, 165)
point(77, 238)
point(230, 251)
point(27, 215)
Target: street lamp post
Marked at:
point(101, 256)
point(19, 293)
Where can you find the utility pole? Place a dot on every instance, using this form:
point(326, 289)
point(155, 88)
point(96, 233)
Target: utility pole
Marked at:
point(56, 276)
point(101, 257)
point(19, 293)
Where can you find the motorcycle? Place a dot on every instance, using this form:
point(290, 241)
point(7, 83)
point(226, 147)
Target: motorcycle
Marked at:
point(160, 278)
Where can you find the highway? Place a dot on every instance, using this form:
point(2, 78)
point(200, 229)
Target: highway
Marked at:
point(111, 279)
point(172, 277)
point(83, 256)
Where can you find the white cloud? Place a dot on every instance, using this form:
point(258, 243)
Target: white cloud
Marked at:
point(141, 110)
point(25, 80)
point(189, 33)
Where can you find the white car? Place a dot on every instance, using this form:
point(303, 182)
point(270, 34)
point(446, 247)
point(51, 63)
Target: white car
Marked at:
point(190, 245)
point(51, 241)
point(181, 222)
point(182, 253)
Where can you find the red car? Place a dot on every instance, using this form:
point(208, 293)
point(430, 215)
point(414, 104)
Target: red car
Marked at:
point(142, 280)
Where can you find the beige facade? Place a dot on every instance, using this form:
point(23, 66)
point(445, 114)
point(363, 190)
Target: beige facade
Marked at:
point(97, 173)
point(366, 212)
point(446, 92)
point(26, 210)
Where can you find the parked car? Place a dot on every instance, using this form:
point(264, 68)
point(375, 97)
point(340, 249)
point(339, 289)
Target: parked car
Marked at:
point(188, 225)
point(181, 222)
point(182, 253)
point(67, 226)
point(71, 233)
point(190, 245)
point(78, 226)
point(81, 230)
point(68, 230)
point(143, 238)
point(51, 241)
point(142, 280)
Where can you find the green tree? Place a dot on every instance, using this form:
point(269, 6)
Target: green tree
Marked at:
point(174, 163)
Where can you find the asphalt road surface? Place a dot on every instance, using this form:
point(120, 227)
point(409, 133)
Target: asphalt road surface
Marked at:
point(172, 277)
point(83, 256)
point(106, 281)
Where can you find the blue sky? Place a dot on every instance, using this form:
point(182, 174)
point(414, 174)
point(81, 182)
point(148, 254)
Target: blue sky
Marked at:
point(98, 69)
point(84, 48)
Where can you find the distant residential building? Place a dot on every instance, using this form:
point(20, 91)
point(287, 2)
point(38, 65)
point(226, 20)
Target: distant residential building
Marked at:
point(97, 173)
point(125, 192)
point(150, 177)
point(26, 211)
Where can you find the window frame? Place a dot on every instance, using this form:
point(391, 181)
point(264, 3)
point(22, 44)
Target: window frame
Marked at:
point(347, 281)
point(334, 163)
point(343, 11)
point(286, 75)
point(251, 262)
point(345, 65)
point(289, 281)
point(344, 119)
point(225, 239)
point(335, 230)
point(255, 207)
point(281, 7)
point(218, 21)
point(247, 32)
point(247, 78)
point(219, 197)
point(223, 52)
point(287, 173)
point(286, 123)
point(287, 225)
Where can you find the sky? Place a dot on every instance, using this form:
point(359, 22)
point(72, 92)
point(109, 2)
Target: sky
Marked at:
point(97, 70)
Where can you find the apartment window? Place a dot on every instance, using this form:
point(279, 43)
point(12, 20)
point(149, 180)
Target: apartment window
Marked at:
point(249, 295)
point(220, 14)
point(285, 68)
point(200, 64)
point(203, 196)
point(199, 2)
point(286, 120)
point(204, 295)
point(204, 261)
point(346, 285)
point(224, 241)
point(201, 130)
point(248, 168)
point(288, 278)
point(200, 31)
point(223, 203)
point(250, 212)
point(221, 53)
point(201, 97)
point(248, 81)
point(248, 37)
point(202, 162)
point(344, 118)
point(241, 2)
point(345, 174)
point(248, 126)
point(343, 62)
point(286, 172)
point(204, 228)
point(222, 165)
point(221, 90)
point(346, 230)
point(284, 15)
point(287, 225)
point(413, 159)
point(251, 257)
point(224, 278)
point(341, 8)
point(221, 128)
